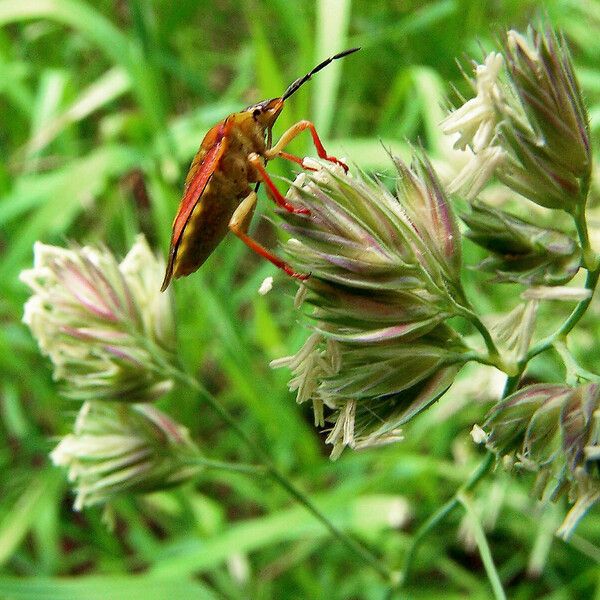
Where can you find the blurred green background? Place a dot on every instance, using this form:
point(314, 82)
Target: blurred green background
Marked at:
point(102, 106)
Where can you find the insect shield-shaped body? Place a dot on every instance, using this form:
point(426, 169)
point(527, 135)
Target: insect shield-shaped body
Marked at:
point(218, 194)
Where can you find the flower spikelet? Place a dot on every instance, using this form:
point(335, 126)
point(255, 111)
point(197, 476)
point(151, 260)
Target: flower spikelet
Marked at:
point(475, 121)
point(554, 431)
point(527, 124)
point(475, 125)
point(118, 448)
point(550, 160)
point(520, 251)
point(102, 323)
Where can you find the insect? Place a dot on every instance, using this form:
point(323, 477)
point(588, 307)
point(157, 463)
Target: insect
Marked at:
point(218, 196)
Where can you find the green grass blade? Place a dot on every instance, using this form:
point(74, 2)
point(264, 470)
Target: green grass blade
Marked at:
point(333, 18)
point(103, 91)
point(362, 514)
point(115, 587)
point(74, 14)
point(18, 520)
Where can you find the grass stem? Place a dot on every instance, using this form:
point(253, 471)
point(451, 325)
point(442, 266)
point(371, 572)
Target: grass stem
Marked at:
point(270, 469)
point(482, 544)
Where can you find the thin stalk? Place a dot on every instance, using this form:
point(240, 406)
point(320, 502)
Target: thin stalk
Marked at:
point(439, 515)
point(226, 466)
point(573, 368)
point(484, 548)
point(474, 319)
point(591, 281)
point(590, 262)
point(590, 258)
point(511, 384)
point(270, 469)
point(475, 356)
point(448, 507)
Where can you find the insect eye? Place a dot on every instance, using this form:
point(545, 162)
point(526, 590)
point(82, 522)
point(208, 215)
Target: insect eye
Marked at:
point(256, 112)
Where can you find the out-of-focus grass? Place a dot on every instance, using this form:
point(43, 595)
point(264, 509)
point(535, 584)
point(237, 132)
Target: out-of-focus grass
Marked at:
point(102, 106)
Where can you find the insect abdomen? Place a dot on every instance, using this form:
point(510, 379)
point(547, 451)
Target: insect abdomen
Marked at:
point(206, 227)
point(228, 186)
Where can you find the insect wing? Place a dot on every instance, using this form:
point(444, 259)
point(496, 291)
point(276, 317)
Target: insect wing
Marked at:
point(201, 170)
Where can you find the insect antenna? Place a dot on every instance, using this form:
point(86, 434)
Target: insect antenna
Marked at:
point(302, 80)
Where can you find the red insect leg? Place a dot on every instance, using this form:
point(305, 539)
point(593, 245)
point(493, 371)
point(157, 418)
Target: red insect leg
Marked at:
point(272, 190)
point(295, 159)
point(262, 251)
point(239, 226)
point(294, 131)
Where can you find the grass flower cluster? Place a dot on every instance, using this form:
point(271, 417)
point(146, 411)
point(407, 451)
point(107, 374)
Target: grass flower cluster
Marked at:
point(384, 277)
point(552, 430)
point(117, 448)
point(385, 274)
point(101, 322)
point(109, 335)
point(527, 124)
point(532, 117)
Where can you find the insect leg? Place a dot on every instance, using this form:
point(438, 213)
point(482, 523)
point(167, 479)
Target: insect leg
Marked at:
point(239, 224)
point(272, 190)
point(293, 132)
point(296, 159)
